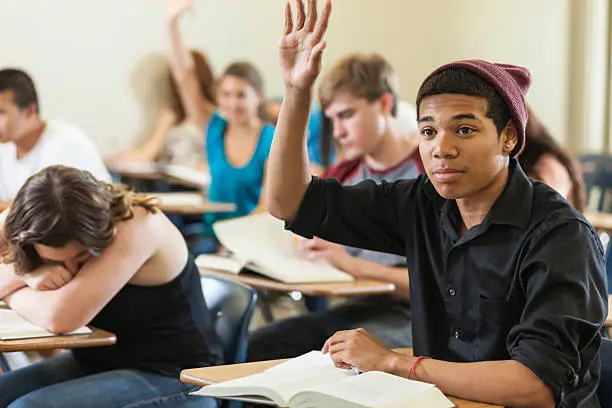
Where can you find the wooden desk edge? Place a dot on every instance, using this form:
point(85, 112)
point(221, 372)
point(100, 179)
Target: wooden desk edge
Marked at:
point(308, 289)
point(98, 338)
point(190, 376)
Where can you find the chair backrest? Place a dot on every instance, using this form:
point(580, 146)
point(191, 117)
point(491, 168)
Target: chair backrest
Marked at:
point(604, 391)
point(597, 175)
point(232, 306)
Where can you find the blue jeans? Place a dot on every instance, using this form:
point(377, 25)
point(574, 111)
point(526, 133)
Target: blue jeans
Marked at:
point(62, 382)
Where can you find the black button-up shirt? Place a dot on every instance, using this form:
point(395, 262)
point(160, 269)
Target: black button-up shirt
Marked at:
point(527, 284)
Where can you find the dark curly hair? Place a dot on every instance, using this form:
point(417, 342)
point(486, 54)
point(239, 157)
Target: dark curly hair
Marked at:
point(62, 204)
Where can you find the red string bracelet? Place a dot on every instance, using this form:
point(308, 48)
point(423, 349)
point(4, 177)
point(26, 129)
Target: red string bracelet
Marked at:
point(414, 366)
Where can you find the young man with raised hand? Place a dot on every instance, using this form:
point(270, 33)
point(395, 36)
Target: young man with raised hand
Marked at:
point(506, 278)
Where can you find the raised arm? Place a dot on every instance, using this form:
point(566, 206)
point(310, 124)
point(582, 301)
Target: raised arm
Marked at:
point(300, 50)
point(197, 108)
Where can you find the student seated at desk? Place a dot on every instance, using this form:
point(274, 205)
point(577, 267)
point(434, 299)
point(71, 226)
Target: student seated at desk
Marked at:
point(507, 281)
point(28, 143)
point(85, 252)
point(545, 160)
point(178, 134)
point(359, 97)
point(238, 142)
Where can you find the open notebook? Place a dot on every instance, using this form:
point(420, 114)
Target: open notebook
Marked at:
point(261, 243)
point(311, 380)
point(13, 327)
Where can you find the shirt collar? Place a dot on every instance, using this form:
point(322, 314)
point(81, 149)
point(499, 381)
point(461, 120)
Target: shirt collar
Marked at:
point(512, 207)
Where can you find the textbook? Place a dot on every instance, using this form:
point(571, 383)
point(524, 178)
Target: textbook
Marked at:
point(13, 327)
point(312, 380)
point(183, 173)
point(260, 243)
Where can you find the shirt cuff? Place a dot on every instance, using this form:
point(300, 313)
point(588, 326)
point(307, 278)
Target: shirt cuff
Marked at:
point(548, 367)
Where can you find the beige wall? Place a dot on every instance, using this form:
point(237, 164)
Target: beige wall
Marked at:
point(97, 63)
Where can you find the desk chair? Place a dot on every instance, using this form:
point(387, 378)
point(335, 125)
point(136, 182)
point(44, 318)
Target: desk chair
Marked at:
point(232, 306)
point(597, 175)
point(604, 391)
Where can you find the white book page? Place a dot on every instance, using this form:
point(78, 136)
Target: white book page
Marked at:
point(285, 380)
point(373, 389)
point(137, 167)
point(219, 263)
point(274, 250)
point(179, 199)
point(188, 174)
point(13, 326)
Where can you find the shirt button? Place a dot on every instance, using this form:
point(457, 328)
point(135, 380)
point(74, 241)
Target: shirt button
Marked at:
point(456, 334)
point(452, 292)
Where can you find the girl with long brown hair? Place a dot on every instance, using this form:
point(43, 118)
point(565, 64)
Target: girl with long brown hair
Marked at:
point(86, 252)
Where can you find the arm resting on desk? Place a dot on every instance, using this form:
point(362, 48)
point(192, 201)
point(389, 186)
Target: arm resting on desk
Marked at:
point(9, 282)
point(507, 383)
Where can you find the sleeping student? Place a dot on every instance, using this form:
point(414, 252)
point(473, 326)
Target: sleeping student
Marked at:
point(359, 96)
point(507, 282)
point(86, 252)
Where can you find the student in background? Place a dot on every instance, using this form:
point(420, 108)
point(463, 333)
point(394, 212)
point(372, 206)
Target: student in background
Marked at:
point(178, 134)
point(507, 281)
point(324, 151)
point(359, 96)
point(28, 143)
point(238, 142)
point(545, 160)
point(86, 252)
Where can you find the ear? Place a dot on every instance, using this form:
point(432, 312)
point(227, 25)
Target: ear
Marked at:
point(386, 102)
point(30, 111)
point(509, 137)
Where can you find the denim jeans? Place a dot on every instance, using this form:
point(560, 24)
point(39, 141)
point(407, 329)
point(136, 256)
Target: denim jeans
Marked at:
point(62, 382)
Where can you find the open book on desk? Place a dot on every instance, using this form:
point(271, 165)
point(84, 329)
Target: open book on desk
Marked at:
point(14, 327)
point(261, 243)
point(183, 173)
point(312, 380)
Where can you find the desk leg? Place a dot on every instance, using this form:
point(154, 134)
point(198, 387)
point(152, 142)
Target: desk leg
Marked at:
point(4, 364)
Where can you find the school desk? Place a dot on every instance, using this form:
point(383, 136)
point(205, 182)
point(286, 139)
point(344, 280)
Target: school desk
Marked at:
point(211, 375)
point(98, 338)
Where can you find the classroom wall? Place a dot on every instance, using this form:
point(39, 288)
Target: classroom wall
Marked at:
point(101, 64)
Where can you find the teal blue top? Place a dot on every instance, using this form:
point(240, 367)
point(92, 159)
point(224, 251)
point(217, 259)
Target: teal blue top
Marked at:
point(238, 185)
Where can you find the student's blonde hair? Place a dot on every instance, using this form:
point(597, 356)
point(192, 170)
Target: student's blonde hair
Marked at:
point(62, 204)
point(364, 75)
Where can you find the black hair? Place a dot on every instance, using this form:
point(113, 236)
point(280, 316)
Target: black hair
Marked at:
point(22, 86)
point(465, 82)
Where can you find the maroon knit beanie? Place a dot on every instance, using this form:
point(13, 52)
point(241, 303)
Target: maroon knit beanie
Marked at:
point(510, 81)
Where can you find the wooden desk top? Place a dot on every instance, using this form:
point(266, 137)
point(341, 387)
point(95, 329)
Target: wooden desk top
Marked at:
point(357, 288)
point(98, 338)
point(189, 203)
point(211, 375)
point(601, 221)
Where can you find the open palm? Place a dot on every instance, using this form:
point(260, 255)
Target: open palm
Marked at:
point(176, 8)
point(301, 45)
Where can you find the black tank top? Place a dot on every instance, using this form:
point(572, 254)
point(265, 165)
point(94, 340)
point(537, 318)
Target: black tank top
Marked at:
point(163, 329)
